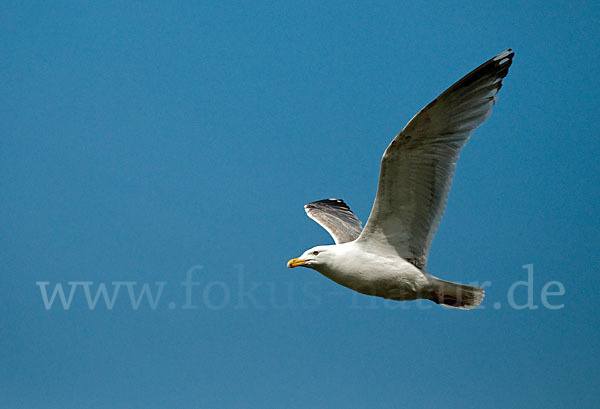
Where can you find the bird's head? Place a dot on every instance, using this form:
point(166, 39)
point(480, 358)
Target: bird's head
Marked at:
point(313, 258)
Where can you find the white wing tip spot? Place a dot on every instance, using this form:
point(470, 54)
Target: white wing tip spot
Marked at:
point(503, 56)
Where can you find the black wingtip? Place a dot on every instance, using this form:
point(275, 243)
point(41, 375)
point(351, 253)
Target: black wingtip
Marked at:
point(333, 202)
point(496, 67)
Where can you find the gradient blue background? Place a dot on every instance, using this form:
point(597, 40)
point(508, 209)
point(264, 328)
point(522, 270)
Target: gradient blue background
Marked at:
point(139, 139)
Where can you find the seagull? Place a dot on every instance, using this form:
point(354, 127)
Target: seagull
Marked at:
point(388, 258)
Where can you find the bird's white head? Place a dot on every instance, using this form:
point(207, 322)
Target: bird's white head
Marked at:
point(314, 258)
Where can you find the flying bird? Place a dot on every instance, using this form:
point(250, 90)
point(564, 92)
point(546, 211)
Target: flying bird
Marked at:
point(388, 258)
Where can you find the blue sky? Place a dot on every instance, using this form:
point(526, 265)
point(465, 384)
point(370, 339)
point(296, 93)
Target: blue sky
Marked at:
point(143, 140)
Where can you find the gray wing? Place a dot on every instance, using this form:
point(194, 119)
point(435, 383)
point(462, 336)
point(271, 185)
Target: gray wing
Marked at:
point(336, 217)
point(418, 166)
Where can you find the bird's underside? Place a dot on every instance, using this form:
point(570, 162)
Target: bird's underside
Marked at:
point(416, 173)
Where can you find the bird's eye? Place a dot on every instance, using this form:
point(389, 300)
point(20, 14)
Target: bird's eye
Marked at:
point(315, 253)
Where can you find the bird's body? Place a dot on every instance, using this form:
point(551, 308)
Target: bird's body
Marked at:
point(381, 275)
point(388, 258)
point(386, 275)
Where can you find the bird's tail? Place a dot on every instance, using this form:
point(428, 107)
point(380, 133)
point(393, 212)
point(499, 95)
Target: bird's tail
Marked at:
point(464, 297)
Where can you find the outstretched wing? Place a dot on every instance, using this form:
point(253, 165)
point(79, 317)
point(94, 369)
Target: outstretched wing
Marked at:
point(418, 166)
point(336, 217)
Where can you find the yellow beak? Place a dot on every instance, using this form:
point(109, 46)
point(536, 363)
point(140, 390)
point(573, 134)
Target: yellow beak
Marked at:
point(295, 262)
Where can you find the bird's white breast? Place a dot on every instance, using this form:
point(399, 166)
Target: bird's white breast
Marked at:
point(383, 275)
